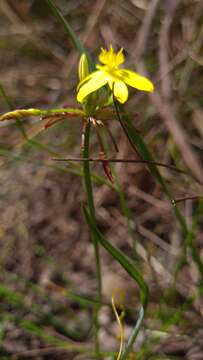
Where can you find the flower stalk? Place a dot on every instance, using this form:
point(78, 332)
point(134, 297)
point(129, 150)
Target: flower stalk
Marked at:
point(90, 203)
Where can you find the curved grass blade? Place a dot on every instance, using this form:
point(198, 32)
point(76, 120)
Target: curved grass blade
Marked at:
point(119, 257)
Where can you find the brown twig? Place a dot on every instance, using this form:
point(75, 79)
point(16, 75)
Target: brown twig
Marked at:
point(124, 161)
point(194, 197)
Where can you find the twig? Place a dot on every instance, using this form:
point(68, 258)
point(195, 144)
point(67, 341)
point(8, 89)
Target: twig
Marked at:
point(123, 161)
point(194, 197)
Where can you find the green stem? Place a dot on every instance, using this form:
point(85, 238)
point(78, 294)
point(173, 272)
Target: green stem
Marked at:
point(133, 336)
point(90, 202)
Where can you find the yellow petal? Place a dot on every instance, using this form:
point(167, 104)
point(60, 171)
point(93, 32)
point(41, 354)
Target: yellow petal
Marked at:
point(106, 56)
point(120, 91)
point(135, 80)
point(97, 80)
point(120, 58)
point(110, 58)
point(87, 78)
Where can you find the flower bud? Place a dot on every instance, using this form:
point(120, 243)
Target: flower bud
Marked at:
point(83, 67)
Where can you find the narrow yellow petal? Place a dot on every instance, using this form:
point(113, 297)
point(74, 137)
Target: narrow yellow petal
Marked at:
point(120, 58)
point(120, 91)
point(135, 80)
point(105, 56)
point(111, 82)
point(87, 78)
point(110, 58)
point(98, 80)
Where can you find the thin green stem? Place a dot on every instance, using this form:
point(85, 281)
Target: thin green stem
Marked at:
point(90, 202)
point(133, 336)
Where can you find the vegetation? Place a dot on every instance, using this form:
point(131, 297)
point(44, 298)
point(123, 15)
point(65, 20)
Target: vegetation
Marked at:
point(101, 255)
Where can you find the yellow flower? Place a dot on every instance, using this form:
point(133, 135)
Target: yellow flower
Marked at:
point(111, 74)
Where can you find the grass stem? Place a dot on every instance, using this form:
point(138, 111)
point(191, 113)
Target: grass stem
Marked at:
point(90, 202)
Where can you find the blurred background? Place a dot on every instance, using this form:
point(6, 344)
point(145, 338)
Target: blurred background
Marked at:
point(46, 258)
